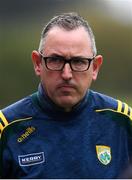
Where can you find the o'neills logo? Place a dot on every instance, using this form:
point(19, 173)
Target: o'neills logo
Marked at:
point(27, 132)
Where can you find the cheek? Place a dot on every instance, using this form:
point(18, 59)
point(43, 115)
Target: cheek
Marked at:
point(84, 82)
point(49, 80)
point(86, 85)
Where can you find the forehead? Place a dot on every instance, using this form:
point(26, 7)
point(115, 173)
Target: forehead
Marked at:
point(58, 32)
point(70, 40)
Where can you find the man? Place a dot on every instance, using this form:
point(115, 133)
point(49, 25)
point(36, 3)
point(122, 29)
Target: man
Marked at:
point(65, 130)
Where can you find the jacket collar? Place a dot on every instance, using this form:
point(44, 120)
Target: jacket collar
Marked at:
point(50, 107)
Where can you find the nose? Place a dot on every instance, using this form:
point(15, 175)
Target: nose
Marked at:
point(66, 72)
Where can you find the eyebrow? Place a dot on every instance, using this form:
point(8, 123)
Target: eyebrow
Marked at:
point(57, 55)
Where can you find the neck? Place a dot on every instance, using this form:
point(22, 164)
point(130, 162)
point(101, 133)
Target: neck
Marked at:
point(50, 106)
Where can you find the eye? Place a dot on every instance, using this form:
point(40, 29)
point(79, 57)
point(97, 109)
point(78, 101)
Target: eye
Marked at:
point(54, 59)
point(79, 61)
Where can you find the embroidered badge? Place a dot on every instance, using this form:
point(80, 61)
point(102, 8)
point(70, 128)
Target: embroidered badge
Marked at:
point(31, 159)
point(103, 154)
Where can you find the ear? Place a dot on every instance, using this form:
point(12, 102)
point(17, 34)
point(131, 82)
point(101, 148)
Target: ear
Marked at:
point(96, 66)
point(36, 59)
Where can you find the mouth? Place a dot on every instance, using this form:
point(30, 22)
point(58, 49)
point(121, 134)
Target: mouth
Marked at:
point(66, 87)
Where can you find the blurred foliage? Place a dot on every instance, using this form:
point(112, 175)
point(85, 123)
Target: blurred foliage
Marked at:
point(20, 28)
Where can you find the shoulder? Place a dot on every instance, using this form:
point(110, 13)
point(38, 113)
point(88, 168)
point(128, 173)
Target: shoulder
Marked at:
point(115, 111)
point(107, 104)
point(22, 110)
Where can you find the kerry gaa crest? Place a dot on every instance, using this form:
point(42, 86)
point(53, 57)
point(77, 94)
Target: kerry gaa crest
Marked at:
point(103, 154)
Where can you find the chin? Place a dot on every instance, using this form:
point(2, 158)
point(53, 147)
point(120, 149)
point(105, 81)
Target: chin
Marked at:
point(67, 103)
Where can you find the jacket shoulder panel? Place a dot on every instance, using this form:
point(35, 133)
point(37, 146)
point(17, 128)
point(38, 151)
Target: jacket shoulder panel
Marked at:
point(102, 101)
point(107, 103)
point(122, 108)
point(114, 110)
point(20, 111)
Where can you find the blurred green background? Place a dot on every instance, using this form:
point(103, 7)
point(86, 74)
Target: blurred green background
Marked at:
point(21, 22)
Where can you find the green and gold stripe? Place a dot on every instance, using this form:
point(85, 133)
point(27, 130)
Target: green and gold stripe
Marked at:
point(3, 122)
point(123, 108)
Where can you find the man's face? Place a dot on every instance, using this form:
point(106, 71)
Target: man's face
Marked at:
point(66, 88)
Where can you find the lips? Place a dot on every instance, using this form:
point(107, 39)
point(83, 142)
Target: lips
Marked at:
point(68, 86)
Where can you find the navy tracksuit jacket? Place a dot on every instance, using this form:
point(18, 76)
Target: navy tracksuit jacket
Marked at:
point(40, 140)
